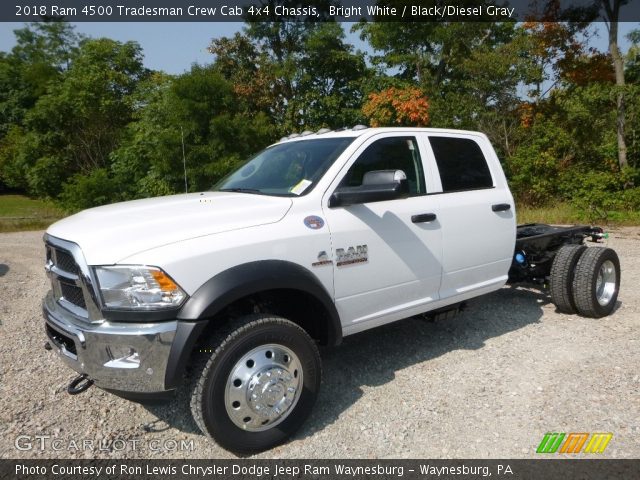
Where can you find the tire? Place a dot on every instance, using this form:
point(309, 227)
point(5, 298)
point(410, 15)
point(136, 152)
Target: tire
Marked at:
point(258, 386)
point(562, 274)
point(596, 282)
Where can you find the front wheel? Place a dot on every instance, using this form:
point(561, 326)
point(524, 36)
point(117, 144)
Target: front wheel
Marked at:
point(258, 386)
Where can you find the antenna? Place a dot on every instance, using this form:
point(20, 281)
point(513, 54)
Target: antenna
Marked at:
point(184, 161)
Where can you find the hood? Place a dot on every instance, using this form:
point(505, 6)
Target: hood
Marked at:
point(113, 232)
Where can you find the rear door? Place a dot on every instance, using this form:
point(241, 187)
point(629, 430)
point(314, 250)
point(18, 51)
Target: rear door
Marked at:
point(386, 257)
point(476, 214)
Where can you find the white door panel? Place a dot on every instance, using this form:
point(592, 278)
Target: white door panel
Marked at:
point(479, 242)
point(403, 266)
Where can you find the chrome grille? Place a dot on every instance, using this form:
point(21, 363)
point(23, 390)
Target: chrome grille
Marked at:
point(64, 261)
point(70, 282)
point(72, 293)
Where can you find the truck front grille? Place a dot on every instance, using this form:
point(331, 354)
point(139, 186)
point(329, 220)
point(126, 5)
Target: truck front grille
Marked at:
point(71, 288)
point(72, 293)
point(64, 261)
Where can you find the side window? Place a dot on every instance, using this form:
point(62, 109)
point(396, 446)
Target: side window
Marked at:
point(461, 164)
point(392, 153)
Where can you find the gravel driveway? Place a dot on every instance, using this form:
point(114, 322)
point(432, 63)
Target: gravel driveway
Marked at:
point(489, 383)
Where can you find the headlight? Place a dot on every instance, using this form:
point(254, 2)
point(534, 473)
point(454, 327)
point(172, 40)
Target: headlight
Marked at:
point(137, 287)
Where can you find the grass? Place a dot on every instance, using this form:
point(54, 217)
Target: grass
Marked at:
point(566, 214)
point(19, 213)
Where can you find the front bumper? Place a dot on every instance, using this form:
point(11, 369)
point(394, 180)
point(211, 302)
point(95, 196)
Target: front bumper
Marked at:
point(126, 357)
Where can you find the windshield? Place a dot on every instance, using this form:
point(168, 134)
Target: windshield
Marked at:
point(287, 169)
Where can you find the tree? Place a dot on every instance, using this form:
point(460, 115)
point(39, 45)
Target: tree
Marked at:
point(74, 126)
point(612, 14)
point(239, 60)
point(329, 80)
point(397, 107)
point(38, 61)
point(51, 43)
point(42, 52)
point(302, 74)
point(199, 106)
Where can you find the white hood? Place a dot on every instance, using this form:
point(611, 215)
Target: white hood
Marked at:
point(111, 233)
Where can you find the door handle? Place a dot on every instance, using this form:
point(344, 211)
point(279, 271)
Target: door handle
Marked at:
point(500, 207)
point(423, 217)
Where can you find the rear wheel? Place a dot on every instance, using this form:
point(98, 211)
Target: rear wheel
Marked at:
point(562, 275)
point(258, 386)
point(596, 282)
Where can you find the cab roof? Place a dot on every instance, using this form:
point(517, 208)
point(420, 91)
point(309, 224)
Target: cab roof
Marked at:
point(359, 130)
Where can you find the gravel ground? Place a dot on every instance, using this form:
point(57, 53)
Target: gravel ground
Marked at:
point(487, 384)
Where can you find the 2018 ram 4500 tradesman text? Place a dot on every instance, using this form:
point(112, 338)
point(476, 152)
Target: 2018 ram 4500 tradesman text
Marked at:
point(317, 237)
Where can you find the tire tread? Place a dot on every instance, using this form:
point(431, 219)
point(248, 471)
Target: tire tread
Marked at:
point(562, 275)
point(586, 271)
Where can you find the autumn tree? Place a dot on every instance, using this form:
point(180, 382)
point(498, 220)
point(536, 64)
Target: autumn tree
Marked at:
point(397, 107)
point(303, 74)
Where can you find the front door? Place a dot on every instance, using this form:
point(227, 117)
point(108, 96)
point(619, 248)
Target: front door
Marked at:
point(387, 254)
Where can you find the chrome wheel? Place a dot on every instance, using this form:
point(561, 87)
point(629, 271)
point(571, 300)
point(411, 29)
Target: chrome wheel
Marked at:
point(606, 283)
point(263, 387)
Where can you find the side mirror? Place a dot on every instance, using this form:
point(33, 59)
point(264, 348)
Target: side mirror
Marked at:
point(377, 186)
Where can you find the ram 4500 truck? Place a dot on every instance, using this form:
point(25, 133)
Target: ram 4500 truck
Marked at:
point(319, 236)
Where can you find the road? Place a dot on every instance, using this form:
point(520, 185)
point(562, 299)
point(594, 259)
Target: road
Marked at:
point(486, 384)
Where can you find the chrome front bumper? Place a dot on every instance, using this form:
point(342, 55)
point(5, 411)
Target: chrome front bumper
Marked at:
point(127, 357)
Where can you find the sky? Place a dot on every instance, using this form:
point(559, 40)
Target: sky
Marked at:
point(174, 47)
point(169, 46)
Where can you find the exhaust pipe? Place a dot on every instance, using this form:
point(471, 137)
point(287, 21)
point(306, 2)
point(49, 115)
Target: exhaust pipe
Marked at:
point(79, 384)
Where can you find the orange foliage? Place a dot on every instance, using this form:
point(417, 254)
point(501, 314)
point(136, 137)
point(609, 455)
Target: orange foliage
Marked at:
point(586, 69)
point(526, 111)
point(397, 106)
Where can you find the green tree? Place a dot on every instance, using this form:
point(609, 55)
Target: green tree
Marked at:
point(330, 79)
point(37, 62)
point(42, 52)
point(74, 126)
point(200, 108)
point(612, 15)
point(302, 74)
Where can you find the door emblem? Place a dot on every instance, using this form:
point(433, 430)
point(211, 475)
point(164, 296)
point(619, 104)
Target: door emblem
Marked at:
point(357, 254)
point(323, 259)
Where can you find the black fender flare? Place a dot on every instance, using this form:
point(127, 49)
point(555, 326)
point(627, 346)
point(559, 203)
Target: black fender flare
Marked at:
point(233, 284)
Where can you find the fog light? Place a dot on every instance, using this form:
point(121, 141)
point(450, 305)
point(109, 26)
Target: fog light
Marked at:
point(122, 357)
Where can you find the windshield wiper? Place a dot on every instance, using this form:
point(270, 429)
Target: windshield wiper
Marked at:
point(241, 190)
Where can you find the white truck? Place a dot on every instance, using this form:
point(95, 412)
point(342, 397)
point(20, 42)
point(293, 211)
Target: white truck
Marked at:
point(317, 237)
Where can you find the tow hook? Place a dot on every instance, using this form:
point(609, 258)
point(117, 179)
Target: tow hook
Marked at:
point(79, 384)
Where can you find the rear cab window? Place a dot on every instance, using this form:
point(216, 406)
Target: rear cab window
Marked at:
point(461, 164)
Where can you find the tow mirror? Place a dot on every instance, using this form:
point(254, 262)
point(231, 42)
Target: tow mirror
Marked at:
point(377, 186)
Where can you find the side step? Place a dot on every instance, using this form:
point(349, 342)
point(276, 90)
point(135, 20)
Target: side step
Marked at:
point(444, 313)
